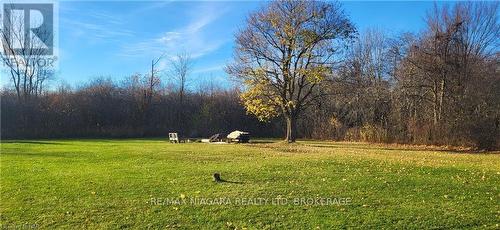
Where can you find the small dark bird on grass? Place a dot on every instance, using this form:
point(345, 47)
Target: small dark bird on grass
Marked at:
point(217, 178)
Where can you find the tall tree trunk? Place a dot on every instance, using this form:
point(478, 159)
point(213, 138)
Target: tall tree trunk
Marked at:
point(291, 121)
point(441, 97)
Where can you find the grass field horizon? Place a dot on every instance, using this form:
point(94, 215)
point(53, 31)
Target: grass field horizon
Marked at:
point(139, 183)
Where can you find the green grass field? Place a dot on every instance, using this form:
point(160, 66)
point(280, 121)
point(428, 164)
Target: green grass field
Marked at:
point(151, 183)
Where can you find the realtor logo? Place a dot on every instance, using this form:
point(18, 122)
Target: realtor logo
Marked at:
point(28, 28)
point(29, 36)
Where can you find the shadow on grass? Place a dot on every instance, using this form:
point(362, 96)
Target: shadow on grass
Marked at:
point(67, 155)
point(261, 142)
point(228, 181)
point(450, 151)
point(33, 142)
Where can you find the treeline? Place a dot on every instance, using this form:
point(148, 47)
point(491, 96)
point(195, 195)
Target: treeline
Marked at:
point(439, 86)
point(104, 108)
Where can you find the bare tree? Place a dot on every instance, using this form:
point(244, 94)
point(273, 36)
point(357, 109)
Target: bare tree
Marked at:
point(448, 66)
point(181, 66)
point(150, 83)
point(455, 40)
point(364, 79)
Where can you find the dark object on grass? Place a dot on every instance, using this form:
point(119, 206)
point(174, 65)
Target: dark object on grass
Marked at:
point(217, 179)
point(238, 136)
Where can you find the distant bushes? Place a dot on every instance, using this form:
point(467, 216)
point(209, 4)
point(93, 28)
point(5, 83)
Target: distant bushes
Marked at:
point(104, 108)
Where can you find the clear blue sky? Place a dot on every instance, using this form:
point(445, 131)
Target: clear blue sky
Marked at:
point(116, 39)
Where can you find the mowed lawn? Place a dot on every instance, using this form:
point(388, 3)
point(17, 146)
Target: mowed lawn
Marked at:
point(130, 183)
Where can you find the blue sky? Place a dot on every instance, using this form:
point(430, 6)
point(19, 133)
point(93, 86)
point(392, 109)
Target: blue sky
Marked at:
point(116, 39)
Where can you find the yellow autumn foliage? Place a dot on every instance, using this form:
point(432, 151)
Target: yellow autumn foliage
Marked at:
point(264, 108)
point(314, 74)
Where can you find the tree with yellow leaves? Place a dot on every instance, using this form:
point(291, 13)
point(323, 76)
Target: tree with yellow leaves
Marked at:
point(284, 54)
